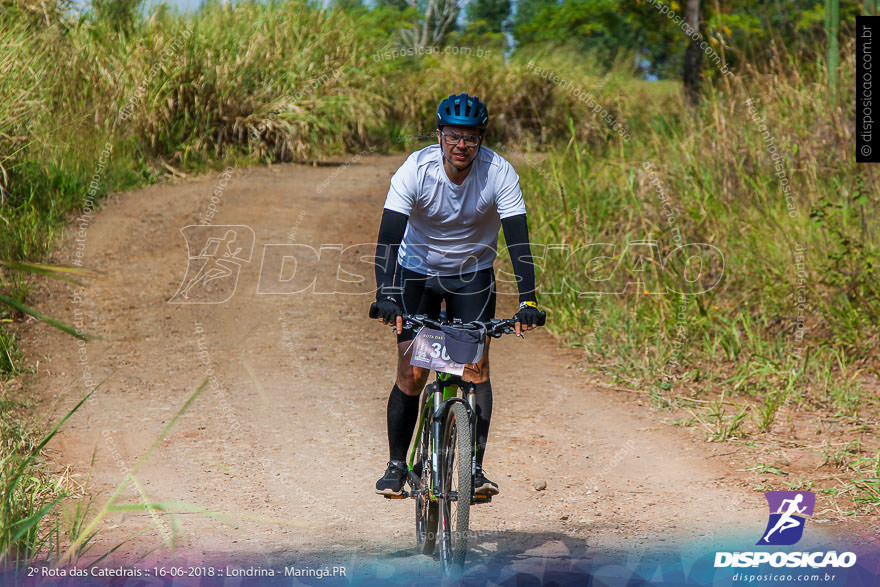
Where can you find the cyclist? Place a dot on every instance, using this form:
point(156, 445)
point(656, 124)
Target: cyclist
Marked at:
point(437, 241)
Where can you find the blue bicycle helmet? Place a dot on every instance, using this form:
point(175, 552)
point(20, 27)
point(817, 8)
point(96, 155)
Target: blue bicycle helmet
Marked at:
point(462, 110)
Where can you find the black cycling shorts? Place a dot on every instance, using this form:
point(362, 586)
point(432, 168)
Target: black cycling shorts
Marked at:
point(469, 296)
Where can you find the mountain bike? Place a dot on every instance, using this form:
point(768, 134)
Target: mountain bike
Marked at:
point(442, 463)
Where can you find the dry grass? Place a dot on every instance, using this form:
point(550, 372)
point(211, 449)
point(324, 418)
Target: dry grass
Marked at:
point(764, 173)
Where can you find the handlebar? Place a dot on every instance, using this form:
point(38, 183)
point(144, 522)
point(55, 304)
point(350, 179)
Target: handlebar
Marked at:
point(496, 327)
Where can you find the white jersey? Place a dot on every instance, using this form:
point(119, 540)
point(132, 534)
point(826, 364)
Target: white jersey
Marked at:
point(452, 229)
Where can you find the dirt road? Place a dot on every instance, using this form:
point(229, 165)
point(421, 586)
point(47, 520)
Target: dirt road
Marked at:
point(287, 442)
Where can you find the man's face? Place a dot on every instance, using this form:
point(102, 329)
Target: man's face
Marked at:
point(461, 153)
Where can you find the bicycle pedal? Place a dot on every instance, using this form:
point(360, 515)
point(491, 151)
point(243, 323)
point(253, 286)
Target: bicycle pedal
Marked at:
point(403, 495)
point(482, 499)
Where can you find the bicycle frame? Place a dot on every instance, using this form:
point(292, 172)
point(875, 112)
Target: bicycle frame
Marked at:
point(443, 394)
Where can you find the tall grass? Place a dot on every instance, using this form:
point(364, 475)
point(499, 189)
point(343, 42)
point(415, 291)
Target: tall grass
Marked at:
point(793, 317)
point(27, 496)
point(284, 81)
point(31, 525)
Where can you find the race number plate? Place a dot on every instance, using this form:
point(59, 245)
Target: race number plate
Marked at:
point(429, 351)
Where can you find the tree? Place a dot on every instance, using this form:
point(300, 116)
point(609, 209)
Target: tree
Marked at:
point(754, 31)
point(488, 15)
point(436, 20)
point(605, 28)
point(693, 54)
point(832, 24)
point(525, 18)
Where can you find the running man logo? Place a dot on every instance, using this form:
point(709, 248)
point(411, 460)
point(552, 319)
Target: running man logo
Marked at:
point(215, 256)
point(788, 511)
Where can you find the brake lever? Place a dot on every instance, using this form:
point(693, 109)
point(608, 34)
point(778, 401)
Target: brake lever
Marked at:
point(512, 330)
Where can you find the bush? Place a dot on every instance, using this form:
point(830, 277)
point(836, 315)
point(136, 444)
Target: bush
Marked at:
point(762, 174)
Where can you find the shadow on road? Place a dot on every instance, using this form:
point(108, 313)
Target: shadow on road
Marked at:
point(502, 558)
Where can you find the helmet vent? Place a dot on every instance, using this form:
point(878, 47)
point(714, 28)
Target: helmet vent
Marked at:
point(462, 110)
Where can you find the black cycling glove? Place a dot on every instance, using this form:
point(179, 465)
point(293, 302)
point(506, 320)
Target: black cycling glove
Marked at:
point(530, 315)
point(386, 308)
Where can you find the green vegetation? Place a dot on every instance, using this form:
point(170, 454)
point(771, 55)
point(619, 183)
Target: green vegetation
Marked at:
point(778, 306)
point(31, 525)
point(744, 32)
point(26, 498)
point(488, 16)
point(774, 308)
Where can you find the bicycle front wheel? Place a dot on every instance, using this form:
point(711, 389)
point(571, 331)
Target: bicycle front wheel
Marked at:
point(455, 502)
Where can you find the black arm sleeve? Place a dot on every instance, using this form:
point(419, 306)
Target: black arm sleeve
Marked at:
point(516, 233)
point(391, 231)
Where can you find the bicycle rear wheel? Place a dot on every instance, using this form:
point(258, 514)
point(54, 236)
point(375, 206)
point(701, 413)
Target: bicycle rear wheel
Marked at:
point(455, 502)
point(427, 510)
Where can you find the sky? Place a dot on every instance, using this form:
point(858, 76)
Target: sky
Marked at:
point(186, 4)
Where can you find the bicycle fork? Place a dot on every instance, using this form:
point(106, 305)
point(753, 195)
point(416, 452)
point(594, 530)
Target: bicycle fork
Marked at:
point(472, 402)
point(439, 393)
point(436, 431)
